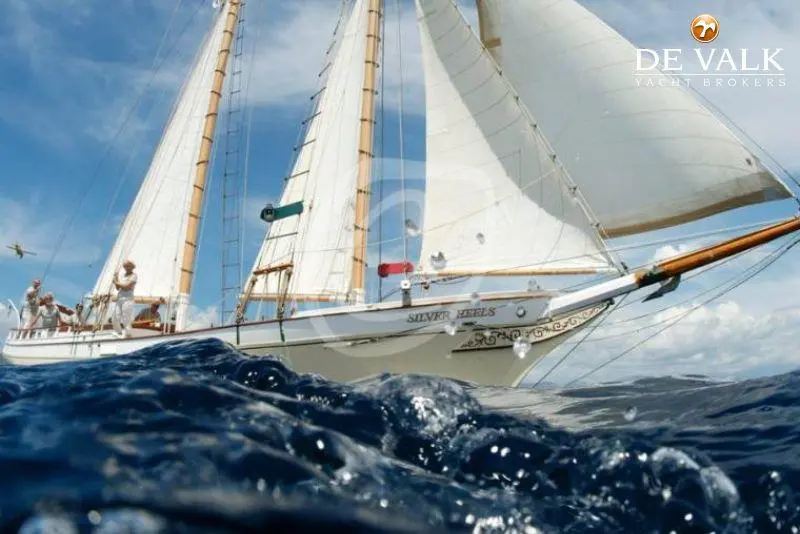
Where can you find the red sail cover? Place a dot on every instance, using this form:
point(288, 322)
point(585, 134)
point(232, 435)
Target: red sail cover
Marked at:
point(400, 267)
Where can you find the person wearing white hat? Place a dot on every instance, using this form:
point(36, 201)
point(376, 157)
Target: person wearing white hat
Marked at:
point(122, 318)
point(30, 305)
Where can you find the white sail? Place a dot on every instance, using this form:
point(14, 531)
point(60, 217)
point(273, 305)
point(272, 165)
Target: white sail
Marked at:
point(496, 201)
point(652, 140)
point(154, 231)
point(319, 242)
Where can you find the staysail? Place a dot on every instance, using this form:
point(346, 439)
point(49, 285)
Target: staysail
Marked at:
point(318, 243)
point(617, 131)
point(154, 231)
point(497, 200)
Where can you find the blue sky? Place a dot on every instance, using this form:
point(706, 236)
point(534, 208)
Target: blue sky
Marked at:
point(71, 70)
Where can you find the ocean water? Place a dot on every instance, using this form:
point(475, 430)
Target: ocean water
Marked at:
point(195, 437)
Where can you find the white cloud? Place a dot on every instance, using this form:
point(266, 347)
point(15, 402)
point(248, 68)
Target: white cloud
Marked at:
point(23, 222)
point(747, 332)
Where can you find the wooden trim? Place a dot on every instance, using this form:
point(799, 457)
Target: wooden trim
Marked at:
point(699, 258)
point(489, 41)
point(359, 273)
point(273, 268)
point(203, 160)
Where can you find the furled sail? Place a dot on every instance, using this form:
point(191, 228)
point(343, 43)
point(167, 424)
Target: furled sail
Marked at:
point(319, 242)
point(154, 232)
point(496, 199)
point(616, 132)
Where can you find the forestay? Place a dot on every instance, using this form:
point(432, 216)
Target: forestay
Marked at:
point(319, 243)
point(496, 200)
point(154, 231)
point(645, 153)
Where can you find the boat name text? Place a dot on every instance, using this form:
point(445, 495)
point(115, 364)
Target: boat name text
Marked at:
point(467, 313)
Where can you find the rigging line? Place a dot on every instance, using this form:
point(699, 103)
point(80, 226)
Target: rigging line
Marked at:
point(383, 154)
point(401, 134)
point(777, 254)
point(578, 344)
point(125, 251)
point(314, 103)
point(676, 305)
point(545, 143)
point(95, 174)
point(696, 274)
point(160, 97)
point(248, 138)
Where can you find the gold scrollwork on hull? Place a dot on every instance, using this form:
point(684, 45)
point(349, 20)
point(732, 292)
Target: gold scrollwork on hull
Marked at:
point(497, 338)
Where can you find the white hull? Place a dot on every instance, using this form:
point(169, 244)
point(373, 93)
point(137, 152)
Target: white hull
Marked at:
point(350, 343)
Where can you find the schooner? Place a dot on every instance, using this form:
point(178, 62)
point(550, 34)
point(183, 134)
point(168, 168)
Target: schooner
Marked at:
point(540, 148)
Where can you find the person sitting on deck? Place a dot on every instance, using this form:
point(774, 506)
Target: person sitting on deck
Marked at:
point(150, 315)
point(74, 315)
point(30, 305)
point(123, 311)
point(48, 315)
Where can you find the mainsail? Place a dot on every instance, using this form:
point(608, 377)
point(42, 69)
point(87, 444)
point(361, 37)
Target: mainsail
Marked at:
point(154, 232)
point(318, 244)
point(646, 137)
point(497, 199)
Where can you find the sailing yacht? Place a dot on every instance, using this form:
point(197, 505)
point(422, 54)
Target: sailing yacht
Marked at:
point(540, 148)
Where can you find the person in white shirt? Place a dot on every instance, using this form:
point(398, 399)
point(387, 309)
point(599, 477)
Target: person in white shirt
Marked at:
point(30, 305)
point(123, 312)
point(48, 315)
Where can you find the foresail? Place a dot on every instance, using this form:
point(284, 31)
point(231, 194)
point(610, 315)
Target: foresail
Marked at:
point(318, 244)
point(646, 137)
point(154, 231)
point(496, 200)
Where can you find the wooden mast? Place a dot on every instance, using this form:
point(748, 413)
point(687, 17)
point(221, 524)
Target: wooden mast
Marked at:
point(365, 147)
point(485, 27)
point(201, 171)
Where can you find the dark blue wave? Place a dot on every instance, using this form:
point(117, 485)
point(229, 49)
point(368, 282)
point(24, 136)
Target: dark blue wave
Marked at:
point(195, 437)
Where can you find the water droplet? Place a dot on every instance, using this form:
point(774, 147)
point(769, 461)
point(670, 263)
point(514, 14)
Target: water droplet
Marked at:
point(450, 327)
point(688, 517)
point(94, 517)
point(481, 238)
point(438, 261)
point(666, 493)
point(261, 485)
point(521, 347)
point(630, 413)
point(384, 503)
point(320, 444)
point(521, 311)
point(475, 299)
point(411, 228)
